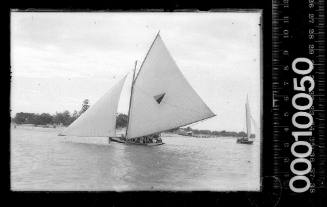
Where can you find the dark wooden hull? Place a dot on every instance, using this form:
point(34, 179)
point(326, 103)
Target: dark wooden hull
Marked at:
point(145, 144)
point(116, 139)
point(244, 141)
point(119, 140)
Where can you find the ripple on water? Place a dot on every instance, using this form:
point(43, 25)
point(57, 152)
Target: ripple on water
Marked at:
point(40, 160)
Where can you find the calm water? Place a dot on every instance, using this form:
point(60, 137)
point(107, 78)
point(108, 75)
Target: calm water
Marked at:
point(40, 160)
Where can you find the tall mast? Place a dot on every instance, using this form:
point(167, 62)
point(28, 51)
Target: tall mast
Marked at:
point(247, 121)
point(147, 55)
point(130, 99)
point(133, 81)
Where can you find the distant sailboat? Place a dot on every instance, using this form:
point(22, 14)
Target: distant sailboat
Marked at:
point(247, 139)
point(161, 99)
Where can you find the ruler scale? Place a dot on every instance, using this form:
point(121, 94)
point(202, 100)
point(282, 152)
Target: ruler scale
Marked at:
point(298, 94)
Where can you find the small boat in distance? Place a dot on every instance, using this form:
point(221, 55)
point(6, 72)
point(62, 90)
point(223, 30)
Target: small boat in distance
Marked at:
point(247, 139)
point(161, 99)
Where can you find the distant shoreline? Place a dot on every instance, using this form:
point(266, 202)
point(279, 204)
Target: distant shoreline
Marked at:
point(165, 134)
point(64, 119)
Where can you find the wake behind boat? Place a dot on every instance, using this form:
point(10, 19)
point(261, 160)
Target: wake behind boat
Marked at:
point(161, 99)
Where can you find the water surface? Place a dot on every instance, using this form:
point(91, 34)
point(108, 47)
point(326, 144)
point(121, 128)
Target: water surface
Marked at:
point(41, 160)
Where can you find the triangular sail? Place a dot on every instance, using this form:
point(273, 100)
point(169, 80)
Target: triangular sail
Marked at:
point(248, 118)
point(162, 98)
point(100, 119)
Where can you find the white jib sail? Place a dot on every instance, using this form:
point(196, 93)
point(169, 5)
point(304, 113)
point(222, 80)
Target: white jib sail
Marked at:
point(248, 118)
point(100, 119)
point(162, 97)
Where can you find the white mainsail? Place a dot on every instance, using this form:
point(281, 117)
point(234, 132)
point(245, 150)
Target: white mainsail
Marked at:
point(100, 119)
point(248, 118)
point(162, 98)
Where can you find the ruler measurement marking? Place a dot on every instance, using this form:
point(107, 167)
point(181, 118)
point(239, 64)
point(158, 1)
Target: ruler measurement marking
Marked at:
point(283, 19)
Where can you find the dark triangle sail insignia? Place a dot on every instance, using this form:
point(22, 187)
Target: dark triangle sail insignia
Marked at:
point(159, 97)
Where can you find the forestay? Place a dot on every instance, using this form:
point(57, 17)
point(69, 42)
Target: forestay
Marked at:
point(100, 119)
point(162, 98)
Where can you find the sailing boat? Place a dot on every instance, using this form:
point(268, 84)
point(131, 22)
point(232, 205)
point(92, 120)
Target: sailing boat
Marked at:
point(161, 99)
point(247, 139)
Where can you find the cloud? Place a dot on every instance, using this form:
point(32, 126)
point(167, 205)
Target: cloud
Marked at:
point(59, 59)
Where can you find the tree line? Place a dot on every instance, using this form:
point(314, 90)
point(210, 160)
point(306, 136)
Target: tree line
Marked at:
point(222, 133)
point(64, 118)
point(209, 133)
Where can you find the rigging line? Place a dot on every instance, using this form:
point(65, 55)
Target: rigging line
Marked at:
point(176, 106)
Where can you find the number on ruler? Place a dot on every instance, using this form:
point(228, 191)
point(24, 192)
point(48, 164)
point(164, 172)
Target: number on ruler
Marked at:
point(311, 18)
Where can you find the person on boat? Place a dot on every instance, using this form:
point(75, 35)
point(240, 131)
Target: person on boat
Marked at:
point(151, 139)
point(146, 139)
point(121, 137)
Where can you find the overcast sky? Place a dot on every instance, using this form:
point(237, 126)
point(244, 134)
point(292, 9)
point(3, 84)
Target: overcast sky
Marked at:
point(60, 59)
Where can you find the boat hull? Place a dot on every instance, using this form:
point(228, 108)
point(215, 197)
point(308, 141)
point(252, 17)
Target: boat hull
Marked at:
point(120, 140)
point(244, 141)
point(116, 139)
point(145, 144)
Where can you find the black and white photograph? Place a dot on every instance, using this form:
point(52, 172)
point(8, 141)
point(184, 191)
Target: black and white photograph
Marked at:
point(136, 101)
